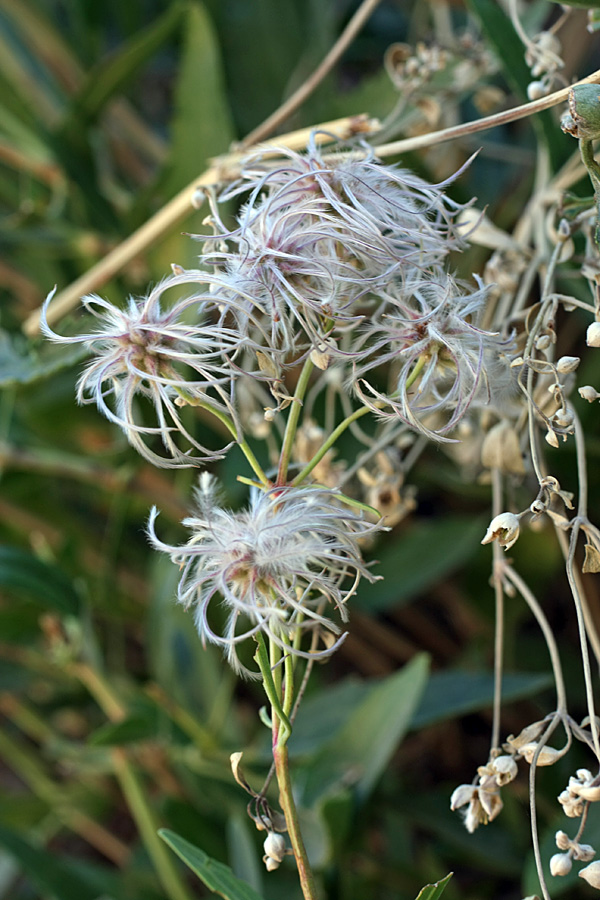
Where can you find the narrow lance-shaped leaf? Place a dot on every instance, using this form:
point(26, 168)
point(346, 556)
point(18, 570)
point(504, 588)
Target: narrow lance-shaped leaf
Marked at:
point(215, 875)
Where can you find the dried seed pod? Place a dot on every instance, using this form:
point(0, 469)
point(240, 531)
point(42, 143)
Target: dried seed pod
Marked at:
point(583, 119)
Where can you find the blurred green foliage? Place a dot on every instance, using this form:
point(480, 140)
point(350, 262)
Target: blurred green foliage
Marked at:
point(107, 110)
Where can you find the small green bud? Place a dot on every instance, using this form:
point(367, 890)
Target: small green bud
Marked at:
point(583, 119)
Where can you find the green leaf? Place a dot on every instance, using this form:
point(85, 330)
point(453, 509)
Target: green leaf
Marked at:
point(451, 694)
point(45, 584)
point(202, 126)
point(361, 749)
point(246, 862)
point(22, 365)
point(51, 876)
point(445, 543)
point(215, 875)
point(446, 695)
point(112, 74)
point(137, 727)
point(434, 891)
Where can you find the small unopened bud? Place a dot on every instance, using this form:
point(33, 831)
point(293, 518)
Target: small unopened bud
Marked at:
point(552, 439)
point(270, 863)
point(592, 337)
point(567, 363)
point(504, 529)
point(274, 846)
point(591, 874)
point(537, 89)
point(583, 119)
point(543, 342)
point(587, 392)
point(560, 864)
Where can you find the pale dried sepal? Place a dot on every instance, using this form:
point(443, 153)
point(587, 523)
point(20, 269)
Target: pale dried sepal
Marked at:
point(546, 757)
point(591, 793)
point(235, 760)
point(591, 562)
point(501, 450)
point(461, 795)
point(529, 733)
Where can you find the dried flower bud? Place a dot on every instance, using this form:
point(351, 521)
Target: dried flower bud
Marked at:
point(567, 364)
point(572, 806)
point(552, 439)
point(563, 841)
point(587, 392)
point(505, 769)
point(504, 529)
point(592, 338)
point(274, 846)
point(561, 864)
point(589, 792)
point(591, 874)
point(564, 418)
point(583, 119)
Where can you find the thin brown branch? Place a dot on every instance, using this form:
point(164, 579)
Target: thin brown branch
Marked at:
point(312, 82)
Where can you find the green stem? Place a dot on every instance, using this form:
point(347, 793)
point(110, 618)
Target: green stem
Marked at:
point(148, 826)
point(346, 422)
point(292, 422)
point(286, 798)
point(233, 431)
point(243, 445)
point(281, 723)
point(329, 444)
